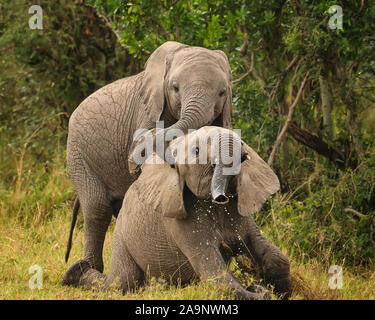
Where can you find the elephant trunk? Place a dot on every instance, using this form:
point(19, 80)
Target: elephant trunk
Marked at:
point(196, 109)
point(219, 185)
point(227, 153)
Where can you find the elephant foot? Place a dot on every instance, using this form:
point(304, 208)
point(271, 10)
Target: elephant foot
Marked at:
point(254, 292)
point(263, 293)
point(281, 284)
point(283, 287)
point(75, 272)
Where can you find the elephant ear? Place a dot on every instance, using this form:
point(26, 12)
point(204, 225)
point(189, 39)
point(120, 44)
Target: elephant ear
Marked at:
point(226, 115)
point(160, 188)
point(255, 182)
point(152, 89)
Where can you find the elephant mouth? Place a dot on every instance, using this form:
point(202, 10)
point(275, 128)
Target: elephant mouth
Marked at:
point(223, 197)
point(220, 199)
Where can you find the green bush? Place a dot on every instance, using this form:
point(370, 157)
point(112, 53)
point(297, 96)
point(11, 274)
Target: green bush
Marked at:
point(315, 224)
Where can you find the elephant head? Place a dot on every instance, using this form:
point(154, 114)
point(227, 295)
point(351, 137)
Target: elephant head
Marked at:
point(210, 162)
point(192, 83)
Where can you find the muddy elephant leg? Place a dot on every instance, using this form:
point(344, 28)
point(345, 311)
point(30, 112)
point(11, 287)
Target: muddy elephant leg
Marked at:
point(273, 264)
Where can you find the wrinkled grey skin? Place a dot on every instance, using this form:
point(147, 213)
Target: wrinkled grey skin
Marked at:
point(169, 227)
point(186, 87)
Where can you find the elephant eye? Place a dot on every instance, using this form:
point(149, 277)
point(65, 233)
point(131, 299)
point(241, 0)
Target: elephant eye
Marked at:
point(222, 91)
point(175, 87)
point(196, 151)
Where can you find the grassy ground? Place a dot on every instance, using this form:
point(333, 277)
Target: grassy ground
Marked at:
point(43, 244)
point(35, 213)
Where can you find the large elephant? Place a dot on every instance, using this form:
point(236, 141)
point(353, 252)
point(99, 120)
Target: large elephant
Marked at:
point(168, 225)
point(186, 87)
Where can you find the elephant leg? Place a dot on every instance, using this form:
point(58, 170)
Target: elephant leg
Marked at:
point(203, 253)
point(273, 264)
point(97, 214)
point(210, 265)
point(96, 206)
point(80, 273)
point(124, 273)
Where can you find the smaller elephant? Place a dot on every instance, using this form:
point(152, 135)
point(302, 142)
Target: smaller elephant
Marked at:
point(189, 219)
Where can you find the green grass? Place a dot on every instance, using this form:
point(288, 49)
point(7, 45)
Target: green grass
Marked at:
point(35, 213)
point(43, 243)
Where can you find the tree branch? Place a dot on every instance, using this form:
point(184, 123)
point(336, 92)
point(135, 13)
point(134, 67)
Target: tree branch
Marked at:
point(357, 213)
point(318, 145)
point(108, 22)
point(287, 122)
point(234, 82)
point(284, 74)
point(243, 52)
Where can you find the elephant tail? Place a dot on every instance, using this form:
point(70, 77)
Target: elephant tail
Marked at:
point(72, 225)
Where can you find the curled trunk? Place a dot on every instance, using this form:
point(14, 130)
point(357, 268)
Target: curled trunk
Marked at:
point(227, 155)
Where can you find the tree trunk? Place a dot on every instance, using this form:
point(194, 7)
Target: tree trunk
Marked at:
point(354, 131)
point(315, 143)
point(326, 96)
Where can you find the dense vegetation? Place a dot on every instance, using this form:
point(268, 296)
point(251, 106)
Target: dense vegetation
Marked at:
point(303, 96)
